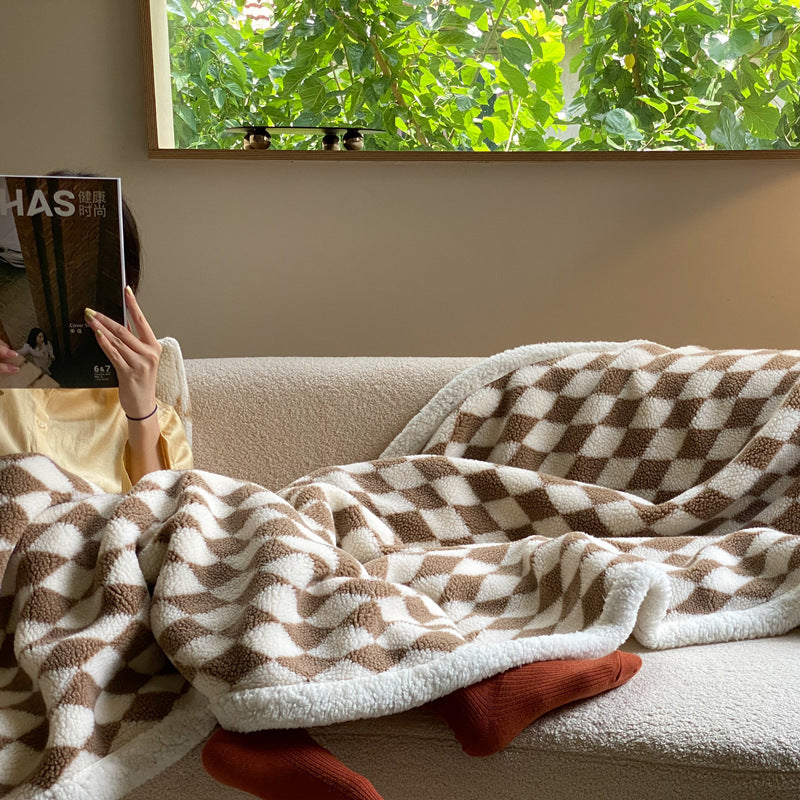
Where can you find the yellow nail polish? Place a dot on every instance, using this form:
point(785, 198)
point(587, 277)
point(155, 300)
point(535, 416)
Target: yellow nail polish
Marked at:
point(89, 313)
point(129, 290)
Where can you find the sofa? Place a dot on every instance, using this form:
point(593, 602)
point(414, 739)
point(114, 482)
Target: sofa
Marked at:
point(715, 721)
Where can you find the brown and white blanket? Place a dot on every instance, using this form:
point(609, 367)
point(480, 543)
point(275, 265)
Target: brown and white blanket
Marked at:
point(547, 503)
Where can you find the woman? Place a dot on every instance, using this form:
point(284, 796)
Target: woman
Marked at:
point(38, 350)
point(112, 437)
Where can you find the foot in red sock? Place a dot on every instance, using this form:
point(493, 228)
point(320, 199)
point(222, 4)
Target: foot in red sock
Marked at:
point(282, 764)
point(487, 716)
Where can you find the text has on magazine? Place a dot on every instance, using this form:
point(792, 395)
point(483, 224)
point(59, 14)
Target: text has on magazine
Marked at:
point(64, 203)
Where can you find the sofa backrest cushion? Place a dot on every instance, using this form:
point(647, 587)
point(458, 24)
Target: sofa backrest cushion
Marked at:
point(271, 420)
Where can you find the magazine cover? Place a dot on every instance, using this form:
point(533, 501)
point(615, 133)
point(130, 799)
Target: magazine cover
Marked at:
point(61, 250)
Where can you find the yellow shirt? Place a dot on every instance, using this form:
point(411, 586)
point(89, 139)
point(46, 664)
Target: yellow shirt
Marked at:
point(84, 431)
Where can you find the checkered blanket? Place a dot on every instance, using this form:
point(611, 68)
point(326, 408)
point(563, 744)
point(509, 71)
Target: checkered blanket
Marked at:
point(547, 503)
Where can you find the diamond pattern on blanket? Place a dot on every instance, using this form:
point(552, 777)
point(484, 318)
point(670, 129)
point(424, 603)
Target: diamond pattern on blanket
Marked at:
point(646, 420)
point(595, 494)
point(87, 679)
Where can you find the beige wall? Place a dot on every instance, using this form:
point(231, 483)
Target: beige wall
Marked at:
point(247, 258)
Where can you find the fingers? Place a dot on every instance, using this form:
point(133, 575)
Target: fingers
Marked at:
point(111, 350)
point(119, 353)
point(141, 324)
point(117, 340)
point(115, 332)
point(7, 357)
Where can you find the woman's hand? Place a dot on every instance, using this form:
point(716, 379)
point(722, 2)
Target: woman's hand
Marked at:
point(10, 360)
point(134, 356)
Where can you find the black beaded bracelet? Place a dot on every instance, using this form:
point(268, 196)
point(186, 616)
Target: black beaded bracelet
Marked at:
point(147, 416)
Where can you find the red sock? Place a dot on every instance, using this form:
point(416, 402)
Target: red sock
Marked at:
point(282, 764)
point(487, 716)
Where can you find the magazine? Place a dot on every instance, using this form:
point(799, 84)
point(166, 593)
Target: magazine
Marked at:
point(61, 251)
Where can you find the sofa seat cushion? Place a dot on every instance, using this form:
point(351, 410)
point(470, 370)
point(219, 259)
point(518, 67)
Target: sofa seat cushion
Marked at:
point(717, 721)
point(713, 721)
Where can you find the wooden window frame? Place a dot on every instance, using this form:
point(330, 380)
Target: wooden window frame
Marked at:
point(160, 135)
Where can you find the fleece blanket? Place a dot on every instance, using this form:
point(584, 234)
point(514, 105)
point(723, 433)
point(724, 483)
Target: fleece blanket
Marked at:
point(548, 503)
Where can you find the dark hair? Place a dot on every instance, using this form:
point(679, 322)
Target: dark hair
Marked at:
point(32, 336)
point(132, 247)
point(131, 244)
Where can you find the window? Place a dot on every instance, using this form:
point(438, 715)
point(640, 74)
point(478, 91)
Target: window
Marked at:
point(484, 75)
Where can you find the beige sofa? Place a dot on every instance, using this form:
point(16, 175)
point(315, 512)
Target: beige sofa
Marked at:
point(716, 721)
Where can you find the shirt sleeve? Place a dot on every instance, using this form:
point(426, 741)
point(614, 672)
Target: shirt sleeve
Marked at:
point(172, 443)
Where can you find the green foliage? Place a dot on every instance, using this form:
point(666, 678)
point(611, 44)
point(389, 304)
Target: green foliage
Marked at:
point(494, 74)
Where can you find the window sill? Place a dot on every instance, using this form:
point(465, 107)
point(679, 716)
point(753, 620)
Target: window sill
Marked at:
point(422, 155)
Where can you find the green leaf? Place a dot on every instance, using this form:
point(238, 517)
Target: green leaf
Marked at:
point(273, 37)
point(359, 56)
point(219, 97)
point(234, 89)
point(517, 52)
point(293, 78)
point(728, 132)
point(700, 105)
point(238, 67)
point(312, 93)
point(375, 89)
point(516, 80)
point(456, 39)
point(774, 34)
point(533, 42)
point(761, 120)
point(306, 55)
point(389, 120)
point(727, 50)
point(175, 8)
point(619, 122)
point(464, 102)
point(187, 115)
point(495, 130)
point(696, 18)
point(542, 112)
point(659, 105)
point(545, 75)
point(259, 63)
